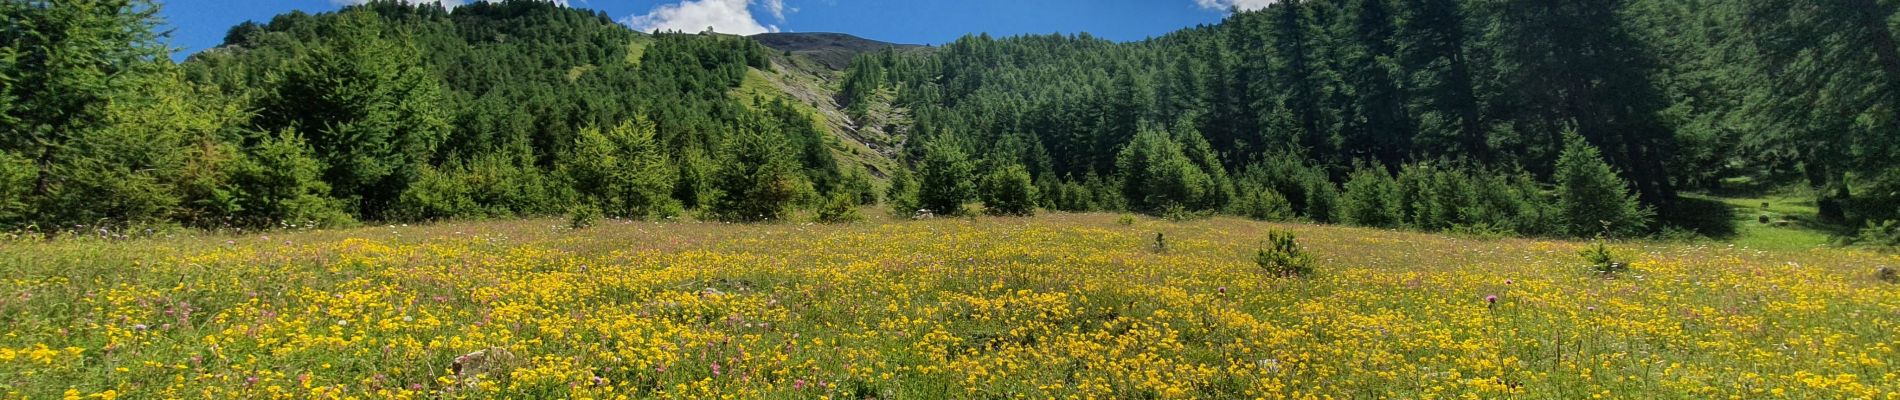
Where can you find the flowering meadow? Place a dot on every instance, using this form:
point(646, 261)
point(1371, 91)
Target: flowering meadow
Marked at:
point(1057, 306)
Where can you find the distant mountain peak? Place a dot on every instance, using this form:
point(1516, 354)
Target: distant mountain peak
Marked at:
point(834, 50)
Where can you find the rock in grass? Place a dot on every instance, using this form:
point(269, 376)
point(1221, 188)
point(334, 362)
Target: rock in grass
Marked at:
point(493, 361)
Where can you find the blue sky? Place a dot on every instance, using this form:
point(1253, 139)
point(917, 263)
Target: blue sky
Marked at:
point(200, 24)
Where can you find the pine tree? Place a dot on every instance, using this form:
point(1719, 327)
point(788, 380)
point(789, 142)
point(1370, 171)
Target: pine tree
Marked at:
point(901, 195)
point(946, 179)
point(16, 183)
point(1156, 176)
point(1301, 80)
point(1380, 127)
point(279, 183)
point(62, 58)
point(1564, 66)
point(1263, 204)
point(1591, 199)
point(623, 170)
point(1371, 199)
point(1009, 191)
point(756, 180)
point(1828, 75)
point(74, 76)
point(1433, 56)
point(367, 109)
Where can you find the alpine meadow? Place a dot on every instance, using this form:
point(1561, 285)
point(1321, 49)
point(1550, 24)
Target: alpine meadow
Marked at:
point(1300, 199)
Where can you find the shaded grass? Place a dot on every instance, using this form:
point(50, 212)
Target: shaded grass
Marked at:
point(1792, 221)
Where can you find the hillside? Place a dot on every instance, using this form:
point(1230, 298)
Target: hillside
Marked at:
point(866, 141)
point(396, 112)
point(1065, 305)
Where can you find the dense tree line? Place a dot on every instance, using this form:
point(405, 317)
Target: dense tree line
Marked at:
point(1273, 111)
point(1532, 117)
point(389, 111)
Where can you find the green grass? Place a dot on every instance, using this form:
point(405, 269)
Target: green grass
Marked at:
point(637, 49)
point(1793, 221)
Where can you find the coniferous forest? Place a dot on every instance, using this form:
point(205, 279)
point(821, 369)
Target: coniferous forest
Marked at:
point(1526, 117)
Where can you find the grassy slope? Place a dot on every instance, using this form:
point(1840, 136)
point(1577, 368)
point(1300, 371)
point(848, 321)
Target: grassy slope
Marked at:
point(1057, 305)
point(811, 89)
point(1792, 224)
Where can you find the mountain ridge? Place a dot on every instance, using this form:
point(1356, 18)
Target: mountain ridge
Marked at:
point(832, 49)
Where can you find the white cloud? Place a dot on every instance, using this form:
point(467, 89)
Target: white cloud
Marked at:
point(777, 7)
point(1224, 5)
point(723, 16)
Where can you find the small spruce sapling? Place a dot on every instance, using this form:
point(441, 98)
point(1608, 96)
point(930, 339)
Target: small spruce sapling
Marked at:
point(1283, 257)
point(583, 217)
point(842, 208)
point(1602, 260)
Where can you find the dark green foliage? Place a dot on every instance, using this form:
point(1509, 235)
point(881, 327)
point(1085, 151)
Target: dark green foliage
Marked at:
point(497, 185)
point(1069, 196)
point(1433, 46)
point(1602, 260)
point(1884, 234)
point(1263, 204)
point(693, 188)
point(1591, 199)
point(1305, 186)
point(63, 62)
point(1200, 153)
point(434, 195)
point(1577, 67)
point(1009, 191)
point(623, 170)
point(946, 180)
point(368, 108)
point(901, 195)
point(859, 187)
point(1436, 197)
point(279, 183)
point(841, 208)
point(16, 182)
point(480, 111)
point(426, 112)
point(97, 131)
point(1156, 175)
point(812, 146)
point(1823, 90)
point(1491, 85)
point(756, 180)
point(583, 216)
point(1371, 199)
point(1283, 257)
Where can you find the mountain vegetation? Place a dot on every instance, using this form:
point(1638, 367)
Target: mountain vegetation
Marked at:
point(1669, 96)
point(1516, 116)
point(388, 112)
